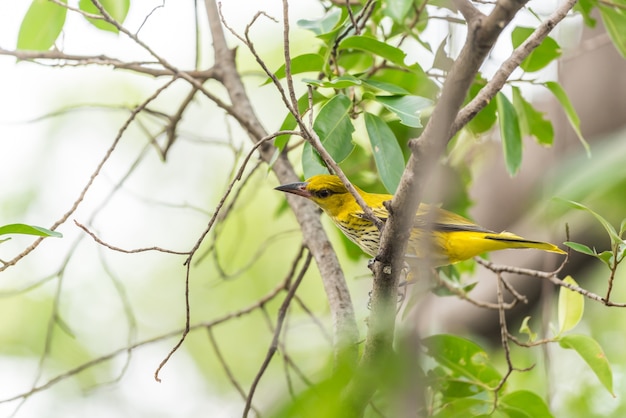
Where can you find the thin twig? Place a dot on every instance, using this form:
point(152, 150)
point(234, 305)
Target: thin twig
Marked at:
point(279, 323)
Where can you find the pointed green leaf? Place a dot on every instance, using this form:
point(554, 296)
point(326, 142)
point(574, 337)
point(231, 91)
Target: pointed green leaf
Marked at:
point(374, 46)
point(340, 82)
point(386, 150)
point(388, 87)
point(570, 112)
point(41, 25)
point(615, 238)
point(117, 9)
point(585, 7)
point(398, 9)
point(571, 306)
point(614, 19)
point(312, 164)
point(525, 329)
point(300, 64)
point(462, 357)
point(607, 258)
point(524, 404)
point(322, 25)
point(486, 118)
point(532, 122)
point(510, 134)
point(407, 108)
point(592, 353)
point(546, 52)
point(28, 230)
point(581, 248)
point(334, 127)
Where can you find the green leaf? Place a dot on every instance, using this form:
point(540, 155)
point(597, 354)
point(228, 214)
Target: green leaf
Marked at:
point(546, 52)
point(407, 108)
point(525, 329)
point(592, 353)
point(524, 404)
point(340, 82)
point(398, 9)
point(464, 408)
point(570, 112)
point(462, 357)
point(571, 306)
point(334, 127)
point(486, 118)
point(322, 25)
point(312, 164)
point(386, 150)
point(300, 64)
point(614, 19)
point(388, 87)
point(532, 122)
point(585, 7)
point(607, 258)
point(24, 229)
point(374, 46)
point(415, 81)
point(581, 248)
point(117, 9)
point(41, 25)
point(615, 238)
point(510, 134)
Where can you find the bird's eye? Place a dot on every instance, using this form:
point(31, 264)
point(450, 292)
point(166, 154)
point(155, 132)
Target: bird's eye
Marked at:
point(324, 193)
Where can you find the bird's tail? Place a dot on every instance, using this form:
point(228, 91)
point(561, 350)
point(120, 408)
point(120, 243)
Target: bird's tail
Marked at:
point(509, 240)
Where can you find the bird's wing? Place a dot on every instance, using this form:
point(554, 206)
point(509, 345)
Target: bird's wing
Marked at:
point(438, 219)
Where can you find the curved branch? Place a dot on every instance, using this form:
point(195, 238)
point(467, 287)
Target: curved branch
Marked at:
point(483, 31)
point(344, 322)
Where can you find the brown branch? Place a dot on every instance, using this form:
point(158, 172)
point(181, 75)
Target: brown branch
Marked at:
point(520, 53)
point(122, 250)
point(103, 60)
point(551, 276)
point(425, 152)
point(229, 374)
point(279, 324)
point(345, 330)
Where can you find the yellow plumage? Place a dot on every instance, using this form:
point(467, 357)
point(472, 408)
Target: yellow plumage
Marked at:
point(438, 235)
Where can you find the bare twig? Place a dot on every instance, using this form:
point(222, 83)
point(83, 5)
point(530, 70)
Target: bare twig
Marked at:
point(274, 344)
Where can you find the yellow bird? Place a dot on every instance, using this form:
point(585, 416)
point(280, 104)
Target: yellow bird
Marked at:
point(439, 236)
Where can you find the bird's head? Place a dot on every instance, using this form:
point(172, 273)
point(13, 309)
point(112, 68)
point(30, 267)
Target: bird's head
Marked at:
point(326, 190)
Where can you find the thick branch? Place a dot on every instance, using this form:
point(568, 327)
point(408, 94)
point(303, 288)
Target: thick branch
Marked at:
point(506, 69)
point(482, 34)
point(345, 328)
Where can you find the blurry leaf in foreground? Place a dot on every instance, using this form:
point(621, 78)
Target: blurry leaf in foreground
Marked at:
point(524, 404)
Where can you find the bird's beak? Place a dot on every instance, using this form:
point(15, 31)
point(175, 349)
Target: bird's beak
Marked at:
point(295, 188)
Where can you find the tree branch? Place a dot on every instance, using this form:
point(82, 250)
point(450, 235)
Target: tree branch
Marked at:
point(425, 152)
point(344, 322)
point(520, 53)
